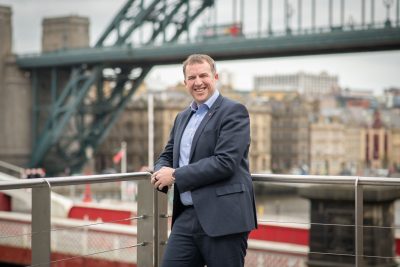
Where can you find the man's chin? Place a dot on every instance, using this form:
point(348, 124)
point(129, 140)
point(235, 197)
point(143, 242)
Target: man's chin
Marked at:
point(200, 99)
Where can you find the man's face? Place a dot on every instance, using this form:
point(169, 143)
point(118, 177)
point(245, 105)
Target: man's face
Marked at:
point(200, 81)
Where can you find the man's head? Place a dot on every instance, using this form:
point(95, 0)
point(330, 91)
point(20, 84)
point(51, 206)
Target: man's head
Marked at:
point(200, 77)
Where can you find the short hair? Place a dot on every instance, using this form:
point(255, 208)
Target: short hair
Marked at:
point(199, 58)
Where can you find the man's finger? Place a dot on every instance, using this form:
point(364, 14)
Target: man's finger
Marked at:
point(157, 184)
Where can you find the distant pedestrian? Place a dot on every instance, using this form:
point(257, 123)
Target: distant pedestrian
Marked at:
point(41, 173)
point(28, 174)
point(34, 173)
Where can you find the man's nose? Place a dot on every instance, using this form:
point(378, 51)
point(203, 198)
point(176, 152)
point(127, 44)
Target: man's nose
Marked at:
point(197, 81)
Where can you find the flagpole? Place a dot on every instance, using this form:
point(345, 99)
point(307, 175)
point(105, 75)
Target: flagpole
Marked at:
point(123, 170)
point(150, 113)
point(123, 158)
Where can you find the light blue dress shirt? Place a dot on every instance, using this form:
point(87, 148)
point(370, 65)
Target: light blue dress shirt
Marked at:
point(187, 138)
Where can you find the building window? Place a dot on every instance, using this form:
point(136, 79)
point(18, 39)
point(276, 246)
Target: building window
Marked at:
point(376, 146)
point(366, 148)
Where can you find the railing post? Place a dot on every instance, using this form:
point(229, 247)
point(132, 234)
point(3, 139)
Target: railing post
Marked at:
point(359, 224)
point(41, 224)
point(160, 226)
point(145, 226)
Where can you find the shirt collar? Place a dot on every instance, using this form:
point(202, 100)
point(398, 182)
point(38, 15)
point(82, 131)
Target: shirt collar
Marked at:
point(208, 103)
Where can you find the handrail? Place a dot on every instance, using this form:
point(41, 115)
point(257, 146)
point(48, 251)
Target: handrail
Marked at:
point(320, 179)
point(12, 167)
point(74, 180)
point(258, 177)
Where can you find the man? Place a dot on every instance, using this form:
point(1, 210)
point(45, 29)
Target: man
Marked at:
point(206, 158)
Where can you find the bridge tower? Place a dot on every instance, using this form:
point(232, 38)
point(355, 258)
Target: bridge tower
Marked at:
point(15, 145)
point(65, 33)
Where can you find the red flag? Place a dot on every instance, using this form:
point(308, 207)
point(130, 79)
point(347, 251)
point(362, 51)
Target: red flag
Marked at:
point(117, 157)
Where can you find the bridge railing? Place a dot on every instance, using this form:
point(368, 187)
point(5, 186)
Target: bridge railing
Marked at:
point(152, 209)
point(293, 32)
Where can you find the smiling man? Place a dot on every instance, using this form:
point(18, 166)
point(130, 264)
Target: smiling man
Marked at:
point(206, 159)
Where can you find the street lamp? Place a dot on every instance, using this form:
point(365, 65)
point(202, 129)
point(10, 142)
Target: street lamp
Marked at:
point(388, 4)
point(288, 15)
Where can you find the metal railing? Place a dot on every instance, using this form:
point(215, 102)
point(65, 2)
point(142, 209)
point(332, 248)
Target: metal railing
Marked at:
point(150, 205)
point(10, 168)
point(356, 181)
point(152, 209)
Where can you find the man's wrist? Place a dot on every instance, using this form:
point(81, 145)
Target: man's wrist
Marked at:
point(173, 176)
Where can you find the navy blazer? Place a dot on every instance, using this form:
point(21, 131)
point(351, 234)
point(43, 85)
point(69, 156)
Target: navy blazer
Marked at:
point(218, 171)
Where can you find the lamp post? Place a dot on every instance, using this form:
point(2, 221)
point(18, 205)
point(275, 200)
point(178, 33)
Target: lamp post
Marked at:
point(288, 15)
point(150, 112)
point(124, 184)
point(388, 4)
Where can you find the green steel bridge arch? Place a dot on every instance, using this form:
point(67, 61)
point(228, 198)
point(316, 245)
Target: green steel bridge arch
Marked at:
point(77, 121)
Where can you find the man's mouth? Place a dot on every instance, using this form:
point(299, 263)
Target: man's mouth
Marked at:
point(199, 89)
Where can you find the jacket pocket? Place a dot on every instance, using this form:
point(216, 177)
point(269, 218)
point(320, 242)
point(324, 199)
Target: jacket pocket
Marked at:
point(230, 189)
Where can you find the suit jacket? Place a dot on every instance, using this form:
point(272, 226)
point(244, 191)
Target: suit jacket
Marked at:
point(218, 171)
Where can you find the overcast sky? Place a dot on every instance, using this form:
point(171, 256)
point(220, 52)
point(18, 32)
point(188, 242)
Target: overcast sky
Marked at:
point(369, 71)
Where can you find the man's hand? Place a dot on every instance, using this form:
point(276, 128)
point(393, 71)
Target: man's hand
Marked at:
point(162, 178)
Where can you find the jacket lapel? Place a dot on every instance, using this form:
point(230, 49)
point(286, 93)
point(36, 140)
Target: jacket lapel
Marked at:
point(203, 123)
point(178, 136)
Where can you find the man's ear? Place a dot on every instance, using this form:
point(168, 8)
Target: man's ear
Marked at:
point(216, 76)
